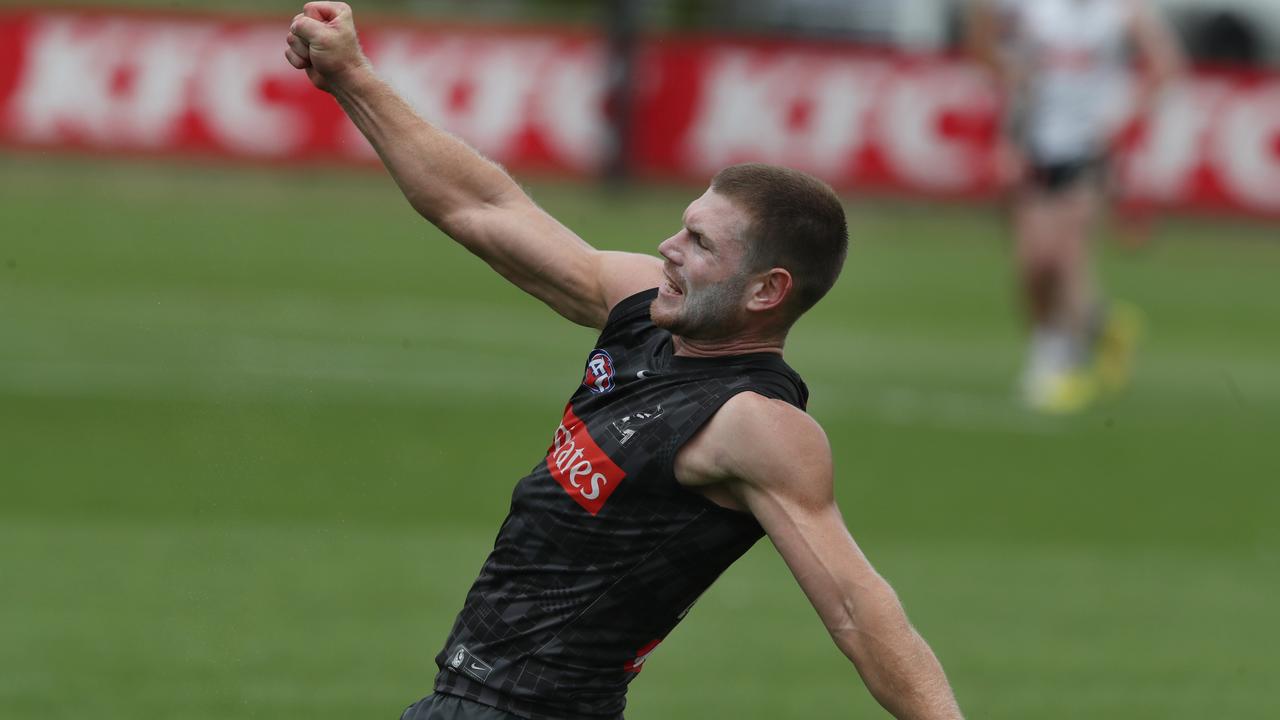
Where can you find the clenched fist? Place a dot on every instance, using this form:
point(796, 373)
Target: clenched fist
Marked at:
point(322, 40)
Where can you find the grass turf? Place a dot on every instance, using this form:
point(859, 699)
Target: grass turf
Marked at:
point(257, 430)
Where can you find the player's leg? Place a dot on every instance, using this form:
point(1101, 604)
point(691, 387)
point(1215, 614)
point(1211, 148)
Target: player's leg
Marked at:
point(450, 707)
point(1052, 220)
point(1033, 241)
point(1039, 284)
point(1077, 214)
point(1109, 330)
point(1115, 326)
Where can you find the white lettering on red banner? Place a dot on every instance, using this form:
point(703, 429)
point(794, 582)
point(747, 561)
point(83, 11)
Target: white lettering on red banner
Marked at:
point(916, 136)
point(235, 101)
point(106, 83)
point(580, 466)
point(503, 93)
point(796, 110)
point(1162, 165)
point(535, 100)
point(1247, 147)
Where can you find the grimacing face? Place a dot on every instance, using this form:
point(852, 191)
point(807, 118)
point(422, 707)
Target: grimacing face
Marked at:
point(702, 297)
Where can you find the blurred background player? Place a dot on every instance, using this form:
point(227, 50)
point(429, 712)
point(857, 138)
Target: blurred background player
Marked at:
point(1067, 69)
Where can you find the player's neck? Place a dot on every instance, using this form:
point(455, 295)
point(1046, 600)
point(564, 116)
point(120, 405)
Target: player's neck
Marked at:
point(687, 347)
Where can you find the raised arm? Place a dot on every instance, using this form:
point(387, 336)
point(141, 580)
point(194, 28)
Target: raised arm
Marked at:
point(1159, 50)
point(776, 462)
point(983, 42)
point(468, 197)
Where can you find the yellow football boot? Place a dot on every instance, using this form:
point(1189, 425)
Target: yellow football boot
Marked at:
point(1063, 393)
point(1116, 346)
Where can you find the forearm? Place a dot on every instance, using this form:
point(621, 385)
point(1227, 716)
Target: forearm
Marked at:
point(440, 175)
point(471, 199)
point(982, 40)
point(1161, 56)
point(897, 665)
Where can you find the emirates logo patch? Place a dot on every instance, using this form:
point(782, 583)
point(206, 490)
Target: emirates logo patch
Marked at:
point(580, 466)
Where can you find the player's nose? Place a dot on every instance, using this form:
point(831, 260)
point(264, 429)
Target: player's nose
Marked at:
point(669, 249)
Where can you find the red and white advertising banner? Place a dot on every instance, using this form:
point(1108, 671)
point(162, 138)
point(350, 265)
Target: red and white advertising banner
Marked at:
point(535, 100)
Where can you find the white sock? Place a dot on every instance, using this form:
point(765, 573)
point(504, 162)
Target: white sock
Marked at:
point(1052, 352)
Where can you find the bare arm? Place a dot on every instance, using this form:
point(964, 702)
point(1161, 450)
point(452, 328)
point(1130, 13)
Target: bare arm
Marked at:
point(777, 463)
point(982, 40)
point(468, 197)
point(1159, 51)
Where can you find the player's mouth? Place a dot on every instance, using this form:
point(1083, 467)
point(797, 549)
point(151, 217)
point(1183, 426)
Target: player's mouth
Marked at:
point(671, 287)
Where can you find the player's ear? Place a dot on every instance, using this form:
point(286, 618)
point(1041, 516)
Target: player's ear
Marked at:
point(769, 289)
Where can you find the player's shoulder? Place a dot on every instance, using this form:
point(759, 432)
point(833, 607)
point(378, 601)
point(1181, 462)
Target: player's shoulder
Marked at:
point(766, 425)
point(774, 447)
point(762, 444)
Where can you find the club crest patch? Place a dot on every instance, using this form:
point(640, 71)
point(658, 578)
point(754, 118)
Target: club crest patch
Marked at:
point(598, 377)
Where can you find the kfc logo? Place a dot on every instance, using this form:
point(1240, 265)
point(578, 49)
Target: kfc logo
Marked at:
point(580, 466)
point(599, 376)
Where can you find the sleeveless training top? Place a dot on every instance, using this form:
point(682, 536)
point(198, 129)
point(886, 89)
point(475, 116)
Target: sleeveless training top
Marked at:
point(603, 552)
point(1075, 52)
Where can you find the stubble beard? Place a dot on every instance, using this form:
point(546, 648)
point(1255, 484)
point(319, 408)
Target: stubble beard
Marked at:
point(707, 314)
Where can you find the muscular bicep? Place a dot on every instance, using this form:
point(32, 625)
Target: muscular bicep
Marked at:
point(546, 259)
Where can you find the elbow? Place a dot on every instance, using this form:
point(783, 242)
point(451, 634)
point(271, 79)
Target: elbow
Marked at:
point(456, 224)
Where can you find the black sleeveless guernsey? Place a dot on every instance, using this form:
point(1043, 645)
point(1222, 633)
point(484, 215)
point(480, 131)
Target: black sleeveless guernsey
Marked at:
point(603, 552)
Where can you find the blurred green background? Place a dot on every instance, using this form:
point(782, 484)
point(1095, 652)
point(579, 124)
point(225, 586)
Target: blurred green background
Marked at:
point(258, 430)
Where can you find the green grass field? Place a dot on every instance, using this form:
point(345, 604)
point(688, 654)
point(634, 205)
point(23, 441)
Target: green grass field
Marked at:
point(258, 429)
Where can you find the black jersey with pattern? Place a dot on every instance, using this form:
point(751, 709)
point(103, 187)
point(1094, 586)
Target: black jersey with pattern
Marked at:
point(603, 552)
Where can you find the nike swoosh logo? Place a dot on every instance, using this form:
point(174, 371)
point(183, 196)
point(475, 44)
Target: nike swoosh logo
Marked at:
point(478, 668)
point(644, 374)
